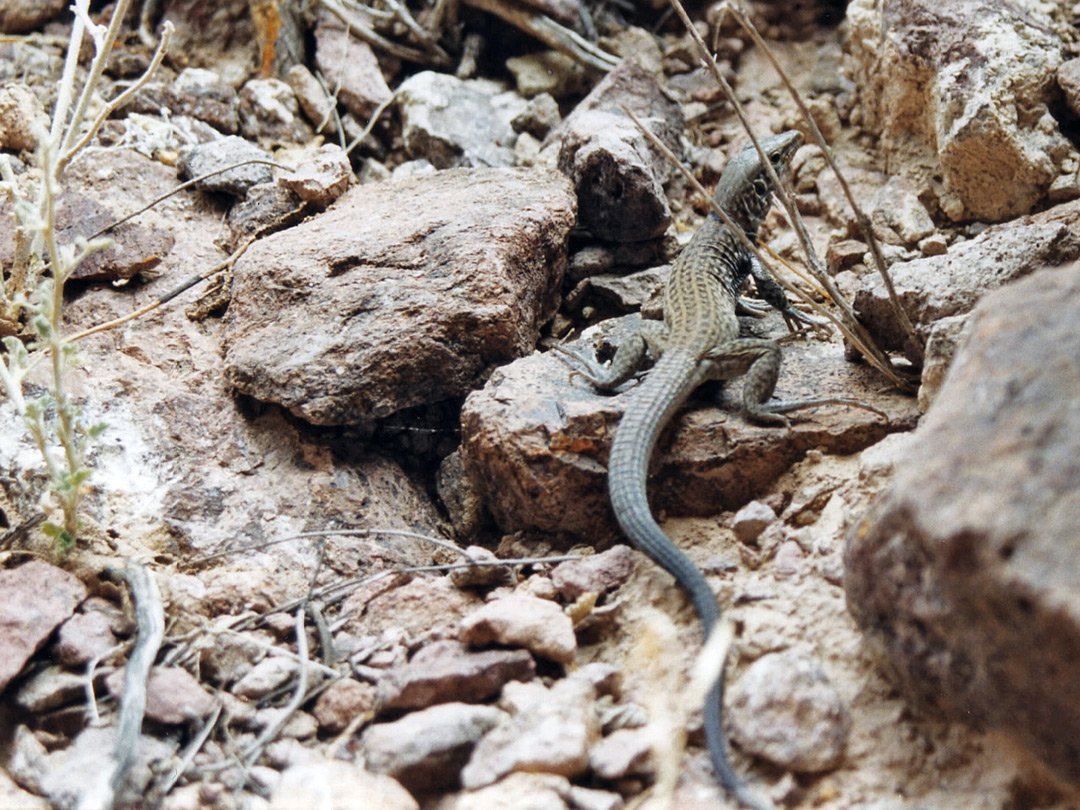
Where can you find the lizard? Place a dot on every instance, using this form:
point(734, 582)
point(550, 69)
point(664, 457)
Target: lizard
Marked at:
point(699, 340)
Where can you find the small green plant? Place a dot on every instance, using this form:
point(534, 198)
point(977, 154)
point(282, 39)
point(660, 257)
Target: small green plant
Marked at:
point(32, 288)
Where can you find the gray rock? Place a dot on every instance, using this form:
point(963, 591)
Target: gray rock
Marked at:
point(37, 598)
point(548, 731)
point(265, 208)
point(597, 573)
point(270, 113)
point(265, 677)
point(520, 791)
point(198, 93)
point(963, 574)
point(784, 709)
point(1068, 78)
point(538, 117)
point(426, 750)
point(750, 521)
point(454, 122)
point(448, 670)
point(50, 688)
point(401, 293)
point(312, 98)
point(481, 575)
point(548, 73)
point(940, 82)
point(207, 157)
point(618, 175)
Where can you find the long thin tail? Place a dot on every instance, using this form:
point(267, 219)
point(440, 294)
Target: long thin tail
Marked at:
point(659, 397)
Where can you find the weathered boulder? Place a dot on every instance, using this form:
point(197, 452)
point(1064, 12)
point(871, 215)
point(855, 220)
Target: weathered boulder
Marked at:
point(401, 293)
point(964, 572)
point(959, 91)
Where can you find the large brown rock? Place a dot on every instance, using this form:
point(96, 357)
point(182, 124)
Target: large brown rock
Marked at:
point(956, 110)
point(964, 573)
point(401, 293)
point(534, 441)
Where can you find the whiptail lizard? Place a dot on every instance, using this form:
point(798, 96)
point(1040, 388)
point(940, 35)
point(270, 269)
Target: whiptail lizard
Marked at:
point(697, 341)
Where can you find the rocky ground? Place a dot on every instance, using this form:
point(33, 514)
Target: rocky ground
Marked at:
point(371, 503)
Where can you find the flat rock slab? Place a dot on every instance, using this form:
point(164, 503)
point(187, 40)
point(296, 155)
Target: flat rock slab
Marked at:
point(964, 573)
point(535, 442)
point(37, 598)
point(401, 293)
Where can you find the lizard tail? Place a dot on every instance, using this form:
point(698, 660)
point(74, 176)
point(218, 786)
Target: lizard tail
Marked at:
point(662, 394)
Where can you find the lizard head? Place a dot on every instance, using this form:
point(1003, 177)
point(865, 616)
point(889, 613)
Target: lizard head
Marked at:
point(745, 189)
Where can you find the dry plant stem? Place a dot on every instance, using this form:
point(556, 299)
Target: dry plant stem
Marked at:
point(187, 756)
point(150, 629)
point(187, 285)
point(357, 27)
point(864, 222)
point(251, 755)
point(371, 122)
point(122, 99)
point(866, 343)
point(549, 32)
point(188, 184)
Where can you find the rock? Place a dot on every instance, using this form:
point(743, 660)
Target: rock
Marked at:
point(519, 620)
point(198, 93)
point(538, 118)
point(618, 175)
point(312, 98)
point(349, 65)
point(624, 752)
point(750, 521)
point(940, 82)
point(401, 293)
point(20, 16)
point(297, 725)
point(421, 608)
point(207, 157)
point(448, 670)
point(548, 73)
point(963, 573)
point(582, 798)
point(597, 573)
point(37, 598)
point(627, 292)
point(72, 775)
point(15, 798)
point(321, 178)
point(84, 636)
point(784, 709)
point(454, 122)
point(483, 576)
point(20, 112)
point(548, 731)
point(229, 657)
point(342, 702)
point(518, 791)
point(265, 208)
point(937, 287)
point(173, 696)
point(426, 750)
point(844, 254)
point(50, 688)
point(336, 785)
point(270, 113)
point(534, 441)
point(789, 561)
point(1068, 78)
point(265, 677)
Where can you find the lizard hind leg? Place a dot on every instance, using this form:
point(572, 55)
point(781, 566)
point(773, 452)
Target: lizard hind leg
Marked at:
point(640, 348)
